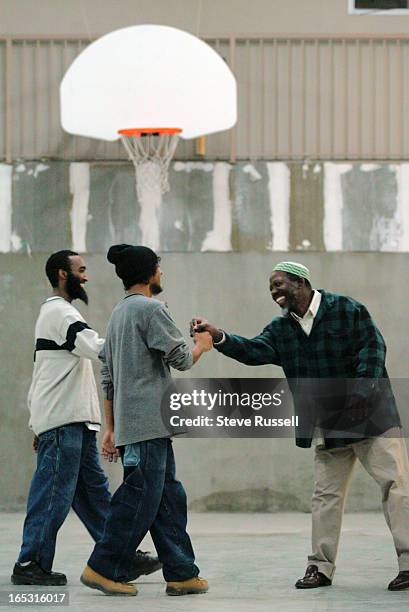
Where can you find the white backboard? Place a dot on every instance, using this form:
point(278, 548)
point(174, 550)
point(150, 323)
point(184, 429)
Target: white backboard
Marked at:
point(148, 76)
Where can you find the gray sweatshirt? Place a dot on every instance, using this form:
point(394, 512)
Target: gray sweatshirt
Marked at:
point(142, 341)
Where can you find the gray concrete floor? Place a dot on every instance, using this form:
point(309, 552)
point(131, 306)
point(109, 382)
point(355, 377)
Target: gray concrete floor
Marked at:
point(251, 561)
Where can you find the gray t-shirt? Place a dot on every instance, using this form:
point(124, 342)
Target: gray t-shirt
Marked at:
point(142, 342)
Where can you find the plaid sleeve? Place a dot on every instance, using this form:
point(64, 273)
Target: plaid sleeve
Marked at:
point(260, 350)
point(370, 347)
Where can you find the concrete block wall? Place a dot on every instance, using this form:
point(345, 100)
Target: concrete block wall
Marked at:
point(220, 231)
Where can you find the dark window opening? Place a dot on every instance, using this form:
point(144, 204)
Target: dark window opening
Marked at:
point(381, 5)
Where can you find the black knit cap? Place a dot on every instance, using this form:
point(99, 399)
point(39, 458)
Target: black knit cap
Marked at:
point(133, 264)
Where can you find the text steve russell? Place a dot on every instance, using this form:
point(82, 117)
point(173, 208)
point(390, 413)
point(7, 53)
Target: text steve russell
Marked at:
point(224, 421)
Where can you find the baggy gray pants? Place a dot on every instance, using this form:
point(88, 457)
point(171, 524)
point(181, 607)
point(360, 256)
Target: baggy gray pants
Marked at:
point(385, 458)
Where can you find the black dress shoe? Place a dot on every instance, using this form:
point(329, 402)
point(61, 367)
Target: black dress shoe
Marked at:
point(143, 565)
point(399, 583)
point(312, 579)
point(33, 573)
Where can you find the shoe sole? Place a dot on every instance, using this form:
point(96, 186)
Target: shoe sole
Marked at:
point(403, 588)
point(312, 587)
point(32, 581)
point(99, 587)
point(175, 592)
point(147, 573)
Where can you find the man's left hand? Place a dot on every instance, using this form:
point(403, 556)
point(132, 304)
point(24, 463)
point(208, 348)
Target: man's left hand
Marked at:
point(108, 448)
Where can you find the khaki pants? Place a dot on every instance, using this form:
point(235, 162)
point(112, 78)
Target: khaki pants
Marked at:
point(385, 458)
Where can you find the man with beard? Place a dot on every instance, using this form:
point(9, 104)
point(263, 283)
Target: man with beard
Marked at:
point(65, 416)
point(322, 335)
point(142, 344)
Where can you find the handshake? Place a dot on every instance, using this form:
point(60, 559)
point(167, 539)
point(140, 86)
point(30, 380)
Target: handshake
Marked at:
point(204, 333)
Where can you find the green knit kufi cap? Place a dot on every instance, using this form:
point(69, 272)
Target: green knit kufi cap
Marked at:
point(292, 267)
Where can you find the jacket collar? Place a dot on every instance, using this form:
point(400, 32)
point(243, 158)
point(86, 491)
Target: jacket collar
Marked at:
point(327, 301)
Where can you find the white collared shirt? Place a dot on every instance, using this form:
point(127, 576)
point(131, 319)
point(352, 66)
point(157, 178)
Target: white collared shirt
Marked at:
point(306, 322)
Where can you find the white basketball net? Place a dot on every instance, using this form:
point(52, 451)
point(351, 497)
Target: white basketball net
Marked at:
point(151, 155)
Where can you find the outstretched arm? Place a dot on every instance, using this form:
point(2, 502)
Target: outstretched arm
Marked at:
point(164, 336)
point(260, 350)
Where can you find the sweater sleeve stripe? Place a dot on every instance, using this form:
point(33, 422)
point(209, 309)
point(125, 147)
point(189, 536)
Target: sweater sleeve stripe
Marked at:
point(43, 344)
point(72, 331)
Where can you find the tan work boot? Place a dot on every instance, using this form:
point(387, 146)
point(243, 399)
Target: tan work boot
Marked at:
point(109, 587)
point(193, 586)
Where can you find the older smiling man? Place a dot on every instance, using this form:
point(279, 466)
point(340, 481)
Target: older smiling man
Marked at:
point(323, 335)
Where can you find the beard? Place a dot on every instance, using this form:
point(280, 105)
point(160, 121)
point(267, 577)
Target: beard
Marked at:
point(155, 288)
point(74, 288)
point(290, 303)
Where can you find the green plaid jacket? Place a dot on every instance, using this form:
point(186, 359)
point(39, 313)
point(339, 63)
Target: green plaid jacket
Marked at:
point(344, 343)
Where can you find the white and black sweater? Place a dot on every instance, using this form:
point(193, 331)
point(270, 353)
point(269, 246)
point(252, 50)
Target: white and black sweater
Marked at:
point(63, 388)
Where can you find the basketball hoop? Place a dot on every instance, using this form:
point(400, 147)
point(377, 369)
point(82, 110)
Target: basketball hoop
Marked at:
point(151, 151)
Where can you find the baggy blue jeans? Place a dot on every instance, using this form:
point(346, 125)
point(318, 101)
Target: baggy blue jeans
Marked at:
point(149, 499)
point(68, 474)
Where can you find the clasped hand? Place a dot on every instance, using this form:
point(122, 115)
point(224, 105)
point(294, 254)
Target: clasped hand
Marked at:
point(198, 325)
